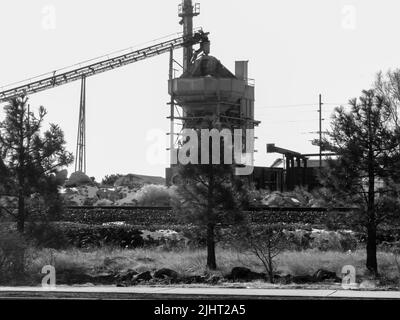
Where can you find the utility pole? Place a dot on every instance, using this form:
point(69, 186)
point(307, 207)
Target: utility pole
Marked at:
point(320, 131)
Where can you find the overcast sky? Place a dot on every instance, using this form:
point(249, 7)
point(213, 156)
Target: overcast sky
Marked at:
point(296, 48)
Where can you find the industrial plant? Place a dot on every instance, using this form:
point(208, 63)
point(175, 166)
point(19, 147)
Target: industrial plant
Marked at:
point(204, 94)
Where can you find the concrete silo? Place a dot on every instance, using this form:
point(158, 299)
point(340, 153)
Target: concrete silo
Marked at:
point(207, 93)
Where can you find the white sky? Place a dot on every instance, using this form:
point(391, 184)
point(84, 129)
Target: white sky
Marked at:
point(296, 48)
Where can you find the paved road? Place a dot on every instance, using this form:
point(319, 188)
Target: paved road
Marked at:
point(132, 293)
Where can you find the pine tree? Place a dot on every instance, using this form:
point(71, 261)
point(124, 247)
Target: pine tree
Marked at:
point(367, 168)
point(29, 160)
point(211, 197)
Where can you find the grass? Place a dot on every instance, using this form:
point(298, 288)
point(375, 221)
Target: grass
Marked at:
point(192, 262)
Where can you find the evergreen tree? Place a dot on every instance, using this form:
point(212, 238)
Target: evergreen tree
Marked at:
point(367, 169)
point(30, 160)
point(210, 195)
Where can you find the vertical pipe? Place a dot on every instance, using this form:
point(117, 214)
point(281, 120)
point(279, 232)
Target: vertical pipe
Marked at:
point(187, 15)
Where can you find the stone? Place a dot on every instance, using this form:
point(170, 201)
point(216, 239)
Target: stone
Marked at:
point(278, 199)
point(127, 275)
point(194, 279)
point(166, 273)
point(241, 273)
point(303, 279)
point(144, 276)
point(368, 284)
point(214, 280)
point(322, 275)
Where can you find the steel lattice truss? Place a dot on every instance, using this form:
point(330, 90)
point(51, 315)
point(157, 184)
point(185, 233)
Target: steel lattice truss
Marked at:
point(54, 80)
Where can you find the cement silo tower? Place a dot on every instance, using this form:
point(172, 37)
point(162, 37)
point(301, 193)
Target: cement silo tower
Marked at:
point(207, 91)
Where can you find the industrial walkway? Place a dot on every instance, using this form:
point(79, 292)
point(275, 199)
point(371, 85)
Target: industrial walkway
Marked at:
point(133, 293)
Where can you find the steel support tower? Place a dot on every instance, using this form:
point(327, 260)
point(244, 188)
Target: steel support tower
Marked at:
point(80, 161)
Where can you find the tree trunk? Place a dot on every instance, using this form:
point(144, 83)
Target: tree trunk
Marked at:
point(372, 263)
point(20, 174)
point(211, 260)
point(21, 213)
point(270, 269)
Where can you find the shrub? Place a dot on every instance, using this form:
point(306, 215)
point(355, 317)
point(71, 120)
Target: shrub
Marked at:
point(109, 180)
point(196, 236)
point(154, 196)
point(84, 236)
point(264, 242)
point(298, 240)
point(348, 241)
point(47, 235)
point(12, 256)
point(326, 241)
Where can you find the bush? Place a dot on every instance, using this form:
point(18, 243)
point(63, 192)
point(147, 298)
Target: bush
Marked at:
point(264, 242)
point(348, 241)
point(47, 235)
point(84, 236)
point(298, 240)
point(326, 241)
point(334, 241)
point(154, 196)
point(109, 180)
point(196, 236)
point(12, 256)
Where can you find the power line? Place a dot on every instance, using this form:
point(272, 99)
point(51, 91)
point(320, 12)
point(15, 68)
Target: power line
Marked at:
point(288, 106)
point(300, 105)
point(290, 121)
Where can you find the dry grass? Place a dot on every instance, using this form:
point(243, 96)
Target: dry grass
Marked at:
point(190, 262)
point(309, 261)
